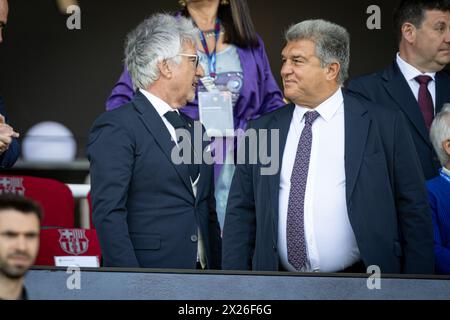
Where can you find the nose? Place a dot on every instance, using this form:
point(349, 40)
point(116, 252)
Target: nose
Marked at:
point(21, 244)
point(447, 36)
point(286, 69)
point(200, 72)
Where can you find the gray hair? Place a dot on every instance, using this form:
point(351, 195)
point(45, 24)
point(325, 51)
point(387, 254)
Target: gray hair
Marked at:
point(157, 38)
point(332, 42)
point(440, 131)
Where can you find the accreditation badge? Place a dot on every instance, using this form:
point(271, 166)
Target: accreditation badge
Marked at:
point(216, 113)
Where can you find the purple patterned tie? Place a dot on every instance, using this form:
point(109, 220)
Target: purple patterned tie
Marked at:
point(295, 229)
point(425, 100)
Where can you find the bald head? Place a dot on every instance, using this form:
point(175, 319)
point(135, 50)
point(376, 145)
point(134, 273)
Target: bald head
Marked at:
point(3, 17)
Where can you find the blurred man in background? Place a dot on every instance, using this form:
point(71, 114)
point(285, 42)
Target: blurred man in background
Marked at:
point(19, 243)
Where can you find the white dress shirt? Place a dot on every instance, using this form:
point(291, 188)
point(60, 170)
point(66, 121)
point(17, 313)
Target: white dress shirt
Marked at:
point(162, 108)
point(410, 72)
point(330, 240)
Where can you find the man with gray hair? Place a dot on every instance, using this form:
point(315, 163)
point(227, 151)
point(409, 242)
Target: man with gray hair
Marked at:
point(150, 212)
point(439, 190)
point(345, 197)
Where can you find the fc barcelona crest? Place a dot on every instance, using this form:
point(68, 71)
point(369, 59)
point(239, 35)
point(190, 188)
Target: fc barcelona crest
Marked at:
point(73, 241)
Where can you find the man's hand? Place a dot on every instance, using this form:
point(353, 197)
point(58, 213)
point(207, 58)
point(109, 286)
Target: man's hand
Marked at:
point(6, 135)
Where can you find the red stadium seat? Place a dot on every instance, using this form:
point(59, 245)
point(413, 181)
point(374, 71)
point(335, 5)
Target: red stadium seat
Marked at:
point(67, 242)
point(55, 198)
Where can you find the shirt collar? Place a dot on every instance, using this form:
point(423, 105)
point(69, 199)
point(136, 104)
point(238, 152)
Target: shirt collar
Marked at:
point(160, 105)
point(446, 171)
point(409, 71)
point(326, 109)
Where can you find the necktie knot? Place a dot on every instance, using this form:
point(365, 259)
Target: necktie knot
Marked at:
point(423, 80)
point(175, 119)
point(310, 117)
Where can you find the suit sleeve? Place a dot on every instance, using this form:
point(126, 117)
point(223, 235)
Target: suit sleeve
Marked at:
point(442, 253)
point(10, 156)
point(111, 153)
point(122, 92)
point(240, 219)
point(412, 204)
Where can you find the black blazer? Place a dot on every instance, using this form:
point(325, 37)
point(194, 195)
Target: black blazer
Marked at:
point(389, 88)
point(386, 200)
point(144, 208)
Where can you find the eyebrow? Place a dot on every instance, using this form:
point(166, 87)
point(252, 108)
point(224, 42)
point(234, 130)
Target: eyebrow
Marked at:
point(298, 56)
point(15, 233)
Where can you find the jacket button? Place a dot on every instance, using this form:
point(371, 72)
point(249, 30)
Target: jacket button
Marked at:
point(194, 238)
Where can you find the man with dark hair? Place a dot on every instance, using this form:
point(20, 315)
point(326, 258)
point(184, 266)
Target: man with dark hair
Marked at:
point(9, 146)
point(416, 83)
point(19, 243)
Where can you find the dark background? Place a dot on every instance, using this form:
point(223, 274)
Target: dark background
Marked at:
point(48, 72)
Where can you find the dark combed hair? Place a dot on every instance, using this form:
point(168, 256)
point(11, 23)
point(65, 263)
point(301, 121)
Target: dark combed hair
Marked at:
point(413, 11)
point(235, 18)
point(21, 204)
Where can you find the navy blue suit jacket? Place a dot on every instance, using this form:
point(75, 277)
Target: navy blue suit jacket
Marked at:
point(9, 157)
point(387, 203)
point(144, 208)
point(389, 88)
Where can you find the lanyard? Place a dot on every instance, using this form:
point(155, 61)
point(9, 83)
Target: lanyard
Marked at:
point(443, 175)
point(212, 57)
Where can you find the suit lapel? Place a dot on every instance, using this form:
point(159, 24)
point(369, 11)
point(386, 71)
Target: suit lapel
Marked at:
point(397, 87)
point(357, 123)
point(282, 122)
point(203, 171)
point(442, 90)
point(154, 124)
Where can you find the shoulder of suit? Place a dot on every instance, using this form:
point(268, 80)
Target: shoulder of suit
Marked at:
point(445, 73)
point(267, 117)
point(374, 108)
point(121, 114)
point(367, 78)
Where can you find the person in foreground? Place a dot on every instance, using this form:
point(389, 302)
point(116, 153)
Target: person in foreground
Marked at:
point(149, 211)
point(347, 195)
point(19, 243)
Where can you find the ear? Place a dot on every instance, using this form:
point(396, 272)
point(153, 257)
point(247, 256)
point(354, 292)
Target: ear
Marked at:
point(409, 32)
point(446, 146)
point(165, 69)
point(332, 71)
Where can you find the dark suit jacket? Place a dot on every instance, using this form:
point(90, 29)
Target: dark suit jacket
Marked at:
point(9, 157)
point(144, 208)
point(386, 200)
point(389, 88)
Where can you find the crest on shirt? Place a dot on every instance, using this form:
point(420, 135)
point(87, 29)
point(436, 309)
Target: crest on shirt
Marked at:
point(73, 241)
point(12, 185)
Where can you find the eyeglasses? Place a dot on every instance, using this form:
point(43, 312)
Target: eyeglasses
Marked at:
point(196, 61)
